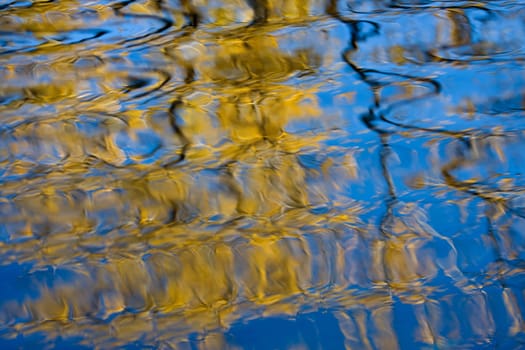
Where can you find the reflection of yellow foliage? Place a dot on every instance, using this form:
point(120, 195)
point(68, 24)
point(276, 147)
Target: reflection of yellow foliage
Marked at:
point(51, 93)
point(255, 58)
point(401, 263)
point(251, 117)
point(241, 225)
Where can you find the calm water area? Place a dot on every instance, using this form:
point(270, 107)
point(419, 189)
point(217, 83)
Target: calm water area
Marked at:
point(262, 174)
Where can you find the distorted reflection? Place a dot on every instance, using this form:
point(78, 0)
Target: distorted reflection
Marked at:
point(262, 174)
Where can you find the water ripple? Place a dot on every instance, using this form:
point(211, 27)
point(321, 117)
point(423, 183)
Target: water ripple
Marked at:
point(262, 174)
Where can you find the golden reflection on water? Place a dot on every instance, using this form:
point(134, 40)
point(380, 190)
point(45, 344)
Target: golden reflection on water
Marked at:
point(179, 168)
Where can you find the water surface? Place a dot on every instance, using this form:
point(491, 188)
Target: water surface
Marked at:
point(262, 174)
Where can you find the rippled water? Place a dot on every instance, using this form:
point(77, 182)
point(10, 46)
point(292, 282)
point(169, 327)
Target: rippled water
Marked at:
point(260, 174)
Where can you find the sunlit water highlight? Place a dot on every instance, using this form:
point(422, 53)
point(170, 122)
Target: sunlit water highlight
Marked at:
point(262, 174)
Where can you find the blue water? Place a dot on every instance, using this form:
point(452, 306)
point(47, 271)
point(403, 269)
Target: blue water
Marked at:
point(262, 174)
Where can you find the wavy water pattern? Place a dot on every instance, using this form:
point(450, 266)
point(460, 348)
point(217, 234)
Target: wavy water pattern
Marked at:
point(259, 174)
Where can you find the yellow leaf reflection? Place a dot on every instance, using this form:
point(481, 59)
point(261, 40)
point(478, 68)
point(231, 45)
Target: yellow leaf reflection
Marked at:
point(174, 170)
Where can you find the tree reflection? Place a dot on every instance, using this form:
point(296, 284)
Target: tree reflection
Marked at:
point(174, 168)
